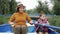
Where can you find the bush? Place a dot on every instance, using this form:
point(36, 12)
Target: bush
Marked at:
point(1, 20)
point(55, 21)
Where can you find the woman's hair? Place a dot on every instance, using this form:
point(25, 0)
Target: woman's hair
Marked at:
point(17, 9)
point(19, 6)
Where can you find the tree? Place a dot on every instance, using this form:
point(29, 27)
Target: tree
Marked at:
point(56, 7)
point(42, 7)
point(4, 6)
point(7, 6)
point(13, 5)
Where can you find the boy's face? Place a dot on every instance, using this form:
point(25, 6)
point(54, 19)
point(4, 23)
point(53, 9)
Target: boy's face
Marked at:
point(42, 17)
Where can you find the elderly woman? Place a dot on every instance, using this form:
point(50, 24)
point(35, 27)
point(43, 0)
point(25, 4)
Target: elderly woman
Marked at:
point(18, 20)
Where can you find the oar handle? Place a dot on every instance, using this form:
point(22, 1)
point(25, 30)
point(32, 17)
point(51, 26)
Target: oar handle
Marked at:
point(48, 26)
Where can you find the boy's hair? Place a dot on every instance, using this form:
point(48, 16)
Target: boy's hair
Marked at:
point(41, 14)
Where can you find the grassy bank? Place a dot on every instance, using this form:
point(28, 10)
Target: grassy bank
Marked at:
point(55, 21)
point(4, 19)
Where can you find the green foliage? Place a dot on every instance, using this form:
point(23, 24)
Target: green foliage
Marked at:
point(13, 5)
point(40, 7)
point(43, 7)
point(7, 6)
point(4, 6)
point(57, 7)
point(29, 11)
point(55, 21)
point(4, 19)
point(1, 20)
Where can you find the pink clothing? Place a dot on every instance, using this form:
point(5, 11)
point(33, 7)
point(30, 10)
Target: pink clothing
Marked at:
point(42, 22)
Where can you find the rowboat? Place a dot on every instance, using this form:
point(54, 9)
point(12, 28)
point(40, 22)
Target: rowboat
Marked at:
point(31, 28)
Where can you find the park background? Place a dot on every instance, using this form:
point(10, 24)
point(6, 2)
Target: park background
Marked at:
point(8, 7)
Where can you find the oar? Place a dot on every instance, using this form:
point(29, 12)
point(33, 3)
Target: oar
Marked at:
point(49, 26)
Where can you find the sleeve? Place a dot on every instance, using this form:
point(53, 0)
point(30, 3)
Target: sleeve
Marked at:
point(12, 18)
point(47, 21)
point(28, 18)
point(37, 22)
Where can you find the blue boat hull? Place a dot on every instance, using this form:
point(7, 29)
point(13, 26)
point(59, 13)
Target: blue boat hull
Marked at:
point(32, 29)
point(8, 28)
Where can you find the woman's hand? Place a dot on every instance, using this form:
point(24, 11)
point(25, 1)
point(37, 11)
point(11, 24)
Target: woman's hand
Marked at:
point(12, 24)
point(31, 22)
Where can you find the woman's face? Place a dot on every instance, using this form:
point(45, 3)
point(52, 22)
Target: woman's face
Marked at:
point(21, 9)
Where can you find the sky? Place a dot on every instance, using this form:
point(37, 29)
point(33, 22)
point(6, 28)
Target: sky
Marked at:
point(31, 4)
point(50, 5)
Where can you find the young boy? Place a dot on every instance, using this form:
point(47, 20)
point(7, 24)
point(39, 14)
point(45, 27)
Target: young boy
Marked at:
point(44, 21)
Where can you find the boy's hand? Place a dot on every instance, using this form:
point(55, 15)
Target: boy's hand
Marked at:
point(43, 24)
